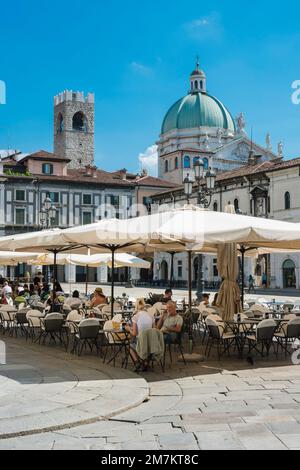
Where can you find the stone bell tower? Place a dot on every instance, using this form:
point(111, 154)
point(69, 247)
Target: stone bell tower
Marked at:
point(74, 127)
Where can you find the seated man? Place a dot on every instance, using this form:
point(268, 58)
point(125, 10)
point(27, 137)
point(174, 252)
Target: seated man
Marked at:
point(98, 298)
point(170, 323)
point(167, 296)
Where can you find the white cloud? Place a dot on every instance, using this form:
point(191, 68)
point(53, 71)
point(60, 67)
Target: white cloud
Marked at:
point(207, 28)
point(149, 159)
point(141, 69)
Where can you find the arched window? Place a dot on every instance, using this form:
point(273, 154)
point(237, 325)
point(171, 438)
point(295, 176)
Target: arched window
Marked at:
point(236, 205)
point(166, 166)
point(176, 163)
point(287, 200)
point(187, 162)
point(60, 123)
point(205, 161)
point(79, 122)
point(201, 84)
point(196, 85)
point(289, 273)
point(215, 207)
point(195, 159)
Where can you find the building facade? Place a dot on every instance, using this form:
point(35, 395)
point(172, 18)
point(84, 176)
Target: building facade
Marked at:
point(80, 192)
point(269, 189)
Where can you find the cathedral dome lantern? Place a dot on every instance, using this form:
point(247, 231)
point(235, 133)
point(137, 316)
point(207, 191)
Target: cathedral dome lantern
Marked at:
point(198, 80)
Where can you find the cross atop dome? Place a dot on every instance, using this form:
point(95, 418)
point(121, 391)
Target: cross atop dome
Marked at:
point(198, 79)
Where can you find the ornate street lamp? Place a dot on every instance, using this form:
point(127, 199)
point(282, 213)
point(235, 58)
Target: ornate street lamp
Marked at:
point(188, 187)
point(47, 215)
point(206, 185)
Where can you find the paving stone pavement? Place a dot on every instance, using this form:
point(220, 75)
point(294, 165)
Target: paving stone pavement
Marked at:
point(214, 404)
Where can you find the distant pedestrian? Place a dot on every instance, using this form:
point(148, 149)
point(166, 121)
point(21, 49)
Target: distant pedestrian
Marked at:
point(251, 283)
point(264, 280)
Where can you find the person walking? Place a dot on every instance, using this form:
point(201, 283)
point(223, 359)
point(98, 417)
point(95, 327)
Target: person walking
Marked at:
point(251, 283)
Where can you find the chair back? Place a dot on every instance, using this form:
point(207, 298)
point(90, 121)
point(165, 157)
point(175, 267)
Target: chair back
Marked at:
point(74, 315)
point(21, 317)
point(293, 328)
point(258, 308)
point(53, 321)
point(215, 328)
point(265, 330)
point(89, 328)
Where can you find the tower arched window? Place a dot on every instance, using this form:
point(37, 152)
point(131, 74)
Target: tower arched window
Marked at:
point(60, 123)
point(176, 163)
point(187, 162)
point(236, 205)
point(195, 159)
point(201, 84)
point(196, 85)
point(287, 200)
point(166, 166)
point(215, 207)
point(79, 122)
point(205, 161)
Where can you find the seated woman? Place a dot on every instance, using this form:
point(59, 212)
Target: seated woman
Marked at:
point(170, 323)
point(98, 298)
point(141, 320)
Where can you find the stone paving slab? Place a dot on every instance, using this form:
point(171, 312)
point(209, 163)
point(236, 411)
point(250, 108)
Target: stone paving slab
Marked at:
point(52, 389)
point(212, 405)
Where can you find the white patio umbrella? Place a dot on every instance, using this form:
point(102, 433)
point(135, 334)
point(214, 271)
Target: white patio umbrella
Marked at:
point(172, 230)
point(92, 261)
point(13, 258)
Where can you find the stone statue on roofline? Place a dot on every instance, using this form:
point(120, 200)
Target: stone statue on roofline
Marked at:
point(241, 123)
point(268, 141)
point(280, 149)
point(219, 135)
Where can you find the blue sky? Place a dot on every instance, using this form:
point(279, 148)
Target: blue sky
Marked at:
point(136, 56)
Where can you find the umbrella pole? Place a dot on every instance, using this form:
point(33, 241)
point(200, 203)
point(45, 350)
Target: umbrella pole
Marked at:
point(54, 277)
point(86, 279)
point(172, 269)
point(112, 299)
point(243, 250)
point(190, 301)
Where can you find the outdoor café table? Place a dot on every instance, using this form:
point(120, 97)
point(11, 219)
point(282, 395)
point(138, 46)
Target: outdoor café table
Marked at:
point(122, 342)
point(240, 329)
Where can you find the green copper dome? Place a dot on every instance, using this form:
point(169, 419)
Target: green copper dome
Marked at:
point(197, 110)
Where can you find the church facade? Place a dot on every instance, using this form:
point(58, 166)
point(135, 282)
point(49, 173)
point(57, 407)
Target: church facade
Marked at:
point(252, 177)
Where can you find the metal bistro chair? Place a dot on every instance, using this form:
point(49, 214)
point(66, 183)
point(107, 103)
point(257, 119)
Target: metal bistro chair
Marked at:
point(287, 334)
point(263, 337)
point(52, 326)
point(34, 323)
point(21, 322)
point(217, 335)
point(7, 321)
point(86, 334)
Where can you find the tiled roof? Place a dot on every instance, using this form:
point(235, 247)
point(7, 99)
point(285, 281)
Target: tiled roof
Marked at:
point(152, 181)
point(248, 170)
point(43, 155)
